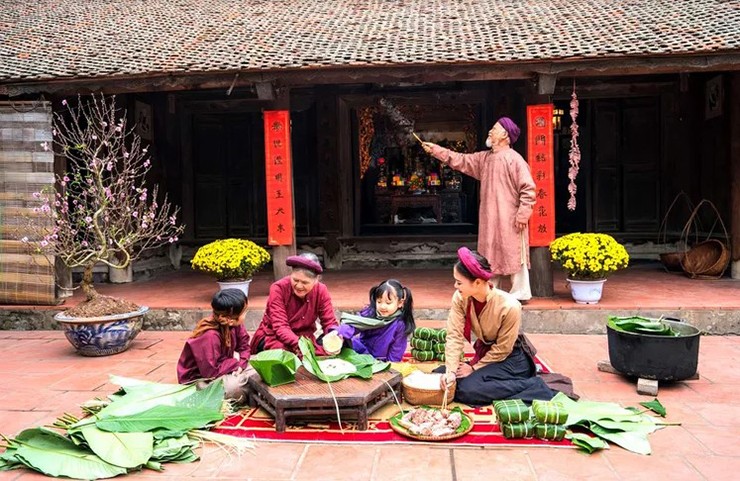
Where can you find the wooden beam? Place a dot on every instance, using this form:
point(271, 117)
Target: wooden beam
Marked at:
point(265, 90)
point(412, 73)
point(546, 83)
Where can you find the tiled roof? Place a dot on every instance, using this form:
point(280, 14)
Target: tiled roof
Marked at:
point(45, 39)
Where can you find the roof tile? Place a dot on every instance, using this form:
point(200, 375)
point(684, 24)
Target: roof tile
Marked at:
point(45, 39)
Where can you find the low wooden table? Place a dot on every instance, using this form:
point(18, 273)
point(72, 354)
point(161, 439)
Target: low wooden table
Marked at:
point(309, 398)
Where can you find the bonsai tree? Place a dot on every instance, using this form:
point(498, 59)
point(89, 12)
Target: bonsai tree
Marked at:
point(102, 211)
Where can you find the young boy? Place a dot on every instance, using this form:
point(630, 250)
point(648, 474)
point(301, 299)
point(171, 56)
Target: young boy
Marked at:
point(219, 346)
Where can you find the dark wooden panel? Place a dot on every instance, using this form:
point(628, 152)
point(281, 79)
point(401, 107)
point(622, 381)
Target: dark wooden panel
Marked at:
point(228, 175)
point(627, 153)
point(210, 209)
point(607, 193)
point(640, 154)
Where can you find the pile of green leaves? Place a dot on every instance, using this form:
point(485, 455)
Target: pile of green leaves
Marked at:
point(144, 425)
point(366, 364)
point(641, 325)
point(275, 366)
point(626, 427)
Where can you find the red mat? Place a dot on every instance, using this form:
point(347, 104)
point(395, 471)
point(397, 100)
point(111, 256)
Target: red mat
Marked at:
point(258, 424)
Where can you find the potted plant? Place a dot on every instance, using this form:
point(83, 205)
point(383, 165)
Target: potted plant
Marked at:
point(232, 262)
point(588, 259)
point(100, 212)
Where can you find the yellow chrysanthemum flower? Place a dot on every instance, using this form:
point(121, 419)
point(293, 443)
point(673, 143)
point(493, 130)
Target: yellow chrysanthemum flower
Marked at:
point(589, 256)
point(230, 259)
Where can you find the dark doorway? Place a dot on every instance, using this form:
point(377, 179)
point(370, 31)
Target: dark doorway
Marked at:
point(626, 159)
point(618, 182)
point(228, 176)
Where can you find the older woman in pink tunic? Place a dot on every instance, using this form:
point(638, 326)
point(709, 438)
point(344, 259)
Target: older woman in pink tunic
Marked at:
point(294, 305)
point(507, 197)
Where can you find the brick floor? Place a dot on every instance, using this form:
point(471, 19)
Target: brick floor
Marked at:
point(42, 377)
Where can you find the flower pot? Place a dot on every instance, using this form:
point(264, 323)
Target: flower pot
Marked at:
point(241, 285)
point(102, 336)
point(586, 292)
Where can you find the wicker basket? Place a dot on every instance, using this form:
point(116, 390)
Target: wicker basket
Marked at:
point(706, 260)
point(709, 258)
point(428, 397)
point(672, 261)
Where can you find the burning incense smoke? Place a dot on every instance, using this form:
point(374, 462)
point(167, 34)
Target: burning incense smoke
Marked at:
point(397, 117)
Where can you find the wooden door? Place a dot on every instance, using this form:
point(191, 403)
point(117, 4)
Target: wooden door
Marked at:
point(626, 159)
point(228, 176)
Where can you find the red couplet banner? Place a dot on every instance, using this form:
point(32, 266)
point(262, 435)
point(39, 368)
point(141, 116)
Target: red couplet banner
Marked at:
point(540, 153)
point(279, 177)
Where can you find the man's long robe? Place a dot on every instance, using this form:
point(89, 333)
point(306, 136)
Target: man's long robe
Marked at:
point(507, 196)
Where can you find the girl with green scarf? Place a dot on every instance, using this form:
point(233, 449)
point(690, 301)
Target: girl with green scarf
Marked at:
point(382, 328)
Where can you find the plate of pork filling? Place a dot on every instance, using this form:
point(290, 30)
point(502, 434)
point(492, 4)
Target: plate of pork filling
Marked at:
point(426, 423)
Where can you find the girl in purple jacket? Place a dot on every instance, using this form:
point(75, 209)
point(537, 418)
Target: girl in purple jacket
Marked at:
point(382, 328)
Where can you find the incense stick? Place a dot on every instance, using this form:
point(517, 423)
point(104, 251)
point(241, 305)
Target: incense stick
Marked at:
point(417, 138)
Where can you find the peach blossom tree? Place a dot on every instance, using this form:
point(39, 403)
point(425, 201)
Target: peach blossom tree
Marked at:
point(102, 210)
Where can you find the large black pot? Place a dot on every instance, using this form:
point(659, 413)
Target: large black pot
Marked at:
point(663, 358)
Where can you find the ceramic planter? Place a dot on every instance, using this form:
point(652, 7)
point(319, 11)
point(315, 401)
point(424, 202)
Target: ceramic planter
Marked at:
point(586, 292)
point(104, 335)
point(241, 285)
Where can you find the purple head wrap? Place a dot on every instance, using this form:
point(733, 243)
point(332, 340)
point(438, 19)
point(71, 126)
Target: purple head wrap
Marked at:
point(510, 127)
point(467, 259)
point(304, 263)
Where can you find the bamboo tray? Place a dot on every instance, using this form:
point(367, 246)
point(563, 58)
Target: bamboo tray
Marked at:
point(405, 432)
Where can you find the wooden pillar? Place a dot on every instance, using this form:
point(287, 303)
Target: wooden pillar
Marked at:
point(734, 106)
point(540, 273)
point(282, 252)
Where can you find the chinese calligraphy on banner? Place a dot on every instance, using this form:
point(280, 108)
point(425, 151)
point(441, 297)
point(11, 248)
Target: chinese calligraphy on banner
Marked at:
point(541, 163)
point(279, 178)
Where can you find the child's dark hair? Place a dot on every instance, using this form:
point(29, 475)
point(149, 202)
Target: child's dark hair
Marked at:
point(229, 302)
point(402, 293)
point(482, 262)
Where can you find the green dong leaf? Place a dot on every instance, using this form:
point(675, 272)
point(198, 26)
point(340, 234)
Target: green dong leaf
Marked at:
point(127, 450)
point(655, 406)
point(54, 455)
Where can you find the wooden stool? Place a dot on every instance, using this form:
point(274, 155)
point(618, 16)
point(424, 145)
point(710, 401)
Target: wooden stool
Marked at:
point(309, 398)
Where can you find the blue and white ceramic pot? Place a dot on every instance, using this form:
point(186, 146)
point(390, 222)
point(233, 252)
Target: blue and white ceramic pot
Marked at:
point(102, 336)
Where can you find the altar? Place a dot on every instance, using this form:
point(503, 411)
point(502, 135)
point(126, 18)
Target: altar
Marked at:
point(444, 206)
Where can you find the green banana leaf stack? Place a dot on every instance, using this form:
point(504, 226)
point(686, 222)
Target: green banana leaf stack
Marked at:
point(641, 325)
point(275, 366)
point(144, 425)
point(365, 364)
point(625, 427)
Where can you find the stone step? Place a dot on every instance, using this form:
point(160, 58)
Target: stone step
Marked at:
point(543, 321)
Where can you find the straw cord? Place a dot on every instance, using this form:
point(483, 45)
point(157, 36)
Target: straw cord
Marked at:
point(398, 403)
point(336, 406)
point(444, 397)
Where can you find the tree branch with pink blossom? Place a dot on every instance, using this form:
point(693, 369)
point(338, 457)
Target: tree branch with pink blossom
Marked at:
point(102, 210)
